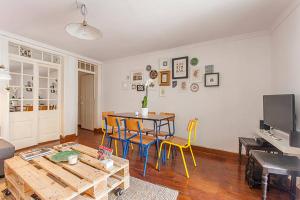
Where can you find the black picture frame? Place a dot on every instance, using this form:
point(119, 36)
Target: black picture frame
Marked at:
point(140, 88)
point(214, 75)
point(186, 58)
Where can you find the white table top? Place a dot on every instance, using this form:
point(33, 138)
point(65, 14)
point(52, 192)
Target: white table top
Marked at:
point(279, 140)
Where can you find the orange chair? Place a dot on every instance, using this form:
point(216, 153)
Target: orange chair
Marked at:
point(181, 143)
point(104, 115)
point(143, 141)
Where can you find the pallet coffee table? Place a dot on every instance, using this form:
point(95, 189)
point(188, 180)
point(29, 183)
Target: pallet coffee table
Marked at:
point(88, 179)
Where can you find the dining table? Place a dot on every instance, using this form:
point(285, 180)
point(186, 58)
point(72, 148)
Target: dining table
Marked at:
point(158, 121)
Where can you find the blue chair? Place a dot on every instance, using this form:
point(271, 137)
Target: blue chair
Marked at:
point(120, 134)
point(143, 141)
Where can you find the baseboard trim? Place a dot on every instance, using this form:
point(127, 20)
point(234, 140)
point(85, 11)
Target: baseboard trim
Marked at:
point(68, 137)
point(217, 152)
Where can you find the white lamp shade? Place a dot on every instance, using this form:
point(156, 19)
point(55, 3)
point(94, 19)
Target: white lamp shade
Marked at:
point(85, 32)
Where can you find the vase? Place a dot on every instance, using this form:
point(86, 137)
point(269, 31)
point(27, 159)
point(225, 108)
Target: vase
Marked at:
point(144, 112)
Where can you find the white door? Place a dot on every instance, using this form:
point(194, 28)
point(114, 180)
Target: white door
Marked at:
point(87, 102)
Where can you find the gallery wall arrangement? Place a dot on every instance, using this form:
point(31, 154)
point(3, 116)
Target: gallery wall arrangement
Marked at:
point(181, 73)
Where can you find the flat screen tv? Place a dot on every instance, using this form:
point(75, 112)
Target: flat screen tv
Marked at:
point(279, 112)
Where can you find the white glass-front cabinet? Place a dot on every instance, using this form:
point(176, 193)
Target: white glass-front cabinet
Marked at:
point(34, 101)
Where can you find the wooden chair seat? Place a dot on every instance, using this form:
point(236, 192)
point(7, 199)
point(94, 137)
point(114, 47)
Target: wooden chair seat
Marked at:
point(161, 133)
point(122, 135)
point(177, 140)
point(146, 139)
point(113, 131)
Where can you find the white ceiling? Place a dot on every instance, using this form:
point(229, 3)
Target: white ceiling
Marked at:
point(132, 27)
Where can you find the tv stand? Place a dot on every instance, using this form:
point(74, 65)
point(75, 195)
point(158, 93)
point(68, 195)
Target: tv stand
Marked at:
point(280, 140)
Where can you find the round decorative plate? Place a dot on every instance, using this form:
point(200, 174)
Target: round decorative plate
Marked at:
point(194, 87)
point(148, 68)
point(153, 74)
point(194, 61)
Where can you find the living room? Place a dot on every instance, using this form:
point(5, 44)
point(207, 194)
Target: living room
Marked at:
point(171, 91)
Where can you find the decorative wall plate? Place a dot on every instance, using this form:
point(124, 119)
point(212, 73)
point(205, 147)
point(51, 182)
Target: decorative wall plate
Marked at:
point(194, 87)
point(148, 68)
point(153, 74)
point(194, 61)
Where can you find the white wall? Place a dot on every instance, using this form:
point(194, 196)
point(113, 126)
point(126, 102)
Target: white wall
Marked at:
point(285, 59)
point(70, 96)
point(225, 112)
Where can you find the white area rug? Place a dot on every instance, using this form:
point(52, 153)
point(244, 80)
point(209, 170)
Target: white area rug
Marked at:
point(138, 190)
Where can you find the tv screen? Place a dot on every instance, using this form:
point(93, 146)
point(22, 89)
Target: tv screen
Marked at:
point(279, 112)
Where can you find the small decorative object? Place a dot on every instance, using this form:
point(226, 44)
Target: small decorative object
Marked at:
point(125, 85)
point(194, 87)
point(133, 87)
point(162, 92)
point(73, 159)
point(28, 86)
point(194, 61)
point(2, 67)
point(34, 153)
point(164, 63)
point(137, 77)
point(196, 75)
point(180, 68)
point(63, 156)
point(174, 84)
point(148, 68)
point(153, 74)
point(140, 88)
point(104, 155)
point(209, 69)
point(183, 86)
point(211, 80)
point(25, 52)
point(165, 78)
point(136, 113)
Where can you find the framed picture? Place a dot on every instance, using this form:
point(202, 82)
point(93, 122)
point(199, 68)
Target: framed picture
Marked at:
point(133, 87)
point(183, 86)
point(211, 80)
point(164, 63)
point(180, 68)
point(196, 74)
point(162, 92)
point(164, 78)
point(140, 88)
point(136, 77)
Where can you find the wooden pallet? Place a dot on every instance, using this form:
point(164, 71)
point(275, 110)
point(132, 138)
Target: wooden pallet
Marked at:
point(86, 180)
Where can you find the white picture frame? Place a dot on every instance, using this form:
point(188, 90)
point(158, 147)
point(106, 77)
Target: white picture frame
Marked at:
point(164, 63)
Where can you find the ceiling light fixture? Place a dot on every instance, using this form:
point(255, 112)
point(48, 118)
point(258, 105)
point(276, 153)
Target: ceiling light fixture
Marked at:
point(83, 30)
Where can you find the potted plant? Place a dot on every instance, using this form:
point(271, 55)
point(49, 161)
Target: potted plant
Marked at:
point(145, 100)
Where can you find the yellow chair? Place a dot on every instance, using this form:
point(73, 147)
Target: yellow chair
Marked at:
point(181, 143)
point(104, 115)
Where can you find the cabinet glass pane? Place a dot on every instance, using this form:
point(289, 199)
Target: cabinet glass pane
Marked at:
point(27, 81)
point(53, 73)
point(15, 93)
point(43, 105)
point(43, 93)
point(15, 80)
point(28, 68)
point(53, 105)
point(27, 93)
point(43, 71)
point(43, 83)
point(47, 57)
point(36, 54)
point(92, 68)
point(15, 106)
point(13, 48)
point(15, 66)
point(28, 105)
point(56, 59)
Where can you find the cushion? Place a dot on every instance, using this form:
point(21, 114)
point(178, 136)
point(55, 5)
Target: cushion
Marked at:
point(7, 150)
